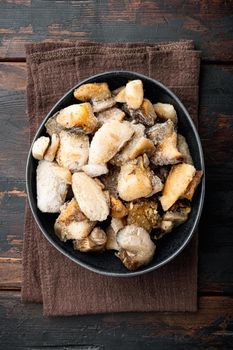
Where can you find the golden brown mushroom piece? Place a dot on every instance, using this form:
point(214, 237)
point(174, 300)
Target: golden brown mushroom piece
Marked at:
point(145, 114)
point(184, 149)
point(72, 223)
point(136, 247)
point(193, 185)
point(118, 209)
point(92, 91)
point(136, 180)
point(78, 115)
point(176, 184)
point(143, 214)
point(95, 242)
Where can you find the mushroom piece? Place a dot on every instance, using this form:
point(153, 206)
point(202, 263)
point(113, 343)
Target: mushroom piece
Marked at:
point(145, 114)
point(109, 115)
point(135, 180)
point(184, 149)
point(78, 115)
point(176, 216)
point(167, 152)
point(92, 91)
point(52, 149)
point(176, 184)
point(118, 209)
point(95, 170)
point(134, 94)
point(110, 181)
point(165, 139)
point(39, 147)
point(72, 223)
point(136, 146)
point(73, 150)
point(91, 198)
point(144, 214)
point(108, 140)
point(136, 247)
point(52, 185)
point(111, 232)
point(160, 131)
point(119, 94)
point(95, 242)
point(99, 106)
point(193, 185)
point(52, 126)
point(165, 111)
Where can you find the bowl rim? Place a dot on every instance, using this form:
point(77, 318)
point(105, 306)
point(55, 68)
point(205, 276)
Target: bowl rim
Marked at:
point(202, 192)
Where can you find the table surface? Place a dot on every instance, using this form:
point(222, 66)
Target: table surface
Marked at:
point(210, 25)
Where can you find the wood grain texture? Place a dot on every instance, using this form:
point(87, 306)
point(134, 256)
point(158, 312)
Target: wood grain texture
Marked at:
point(216, 240)
point(25, 328)
point(209, 23)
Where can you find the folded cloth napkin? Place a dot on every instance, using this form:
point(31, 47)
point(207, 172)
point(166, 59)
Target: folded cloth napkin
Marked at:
point(50, 278)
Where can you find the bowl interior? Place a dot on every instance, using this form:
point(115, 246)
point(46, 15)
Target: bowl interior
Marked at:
point(168, 246)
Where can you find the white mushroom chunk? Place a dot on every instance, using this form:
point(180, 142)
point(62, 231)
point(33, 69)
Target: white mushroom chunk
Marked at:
point(165, 111)
point(134, 180)
point(136, 247)
point(99, 106)
point(111, 232)
point(39, 147)
point(72, 223)
point(108, 140)
point(92, 91)
point(119, 94)
point(52, 185)
point(52, 149)
point(184, 149)
point(109, 115)
point(95, 170)
point(78, 115)
point(95, 242)
point(90, 196)
point(134, 94)
point(176, 184)
point(73, 150)
point(138, 145)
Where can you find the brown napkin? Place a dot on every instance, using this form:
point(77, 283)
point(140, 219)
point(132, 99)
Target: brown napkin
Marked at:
point(50, 278)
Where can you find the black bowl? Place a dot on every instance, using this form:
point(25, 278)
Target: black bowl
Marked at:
point(169, 246)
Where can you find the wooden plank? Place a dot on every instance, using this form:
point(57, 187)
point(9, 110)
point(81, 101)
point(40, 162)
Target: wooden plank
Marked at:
point(216, 241)
point(23, 327)
point(209, 24)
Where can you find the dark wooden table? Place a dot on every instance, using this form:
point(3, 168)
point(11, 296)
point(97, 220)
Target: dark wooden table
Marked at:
point(210, 25)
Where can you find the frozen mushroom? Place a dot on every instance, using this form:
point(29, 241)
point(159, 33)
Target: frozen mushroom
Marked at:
point(136, 247)
point(92, 91)
point(39, 147)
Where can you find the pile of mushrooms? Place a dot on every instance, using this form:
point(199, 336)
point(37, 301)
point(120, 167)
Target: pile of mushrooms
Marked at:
point(116, 171)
